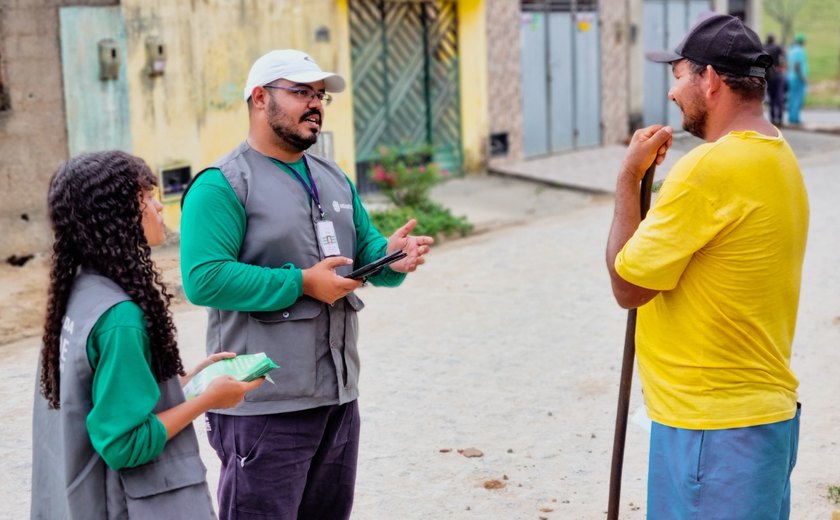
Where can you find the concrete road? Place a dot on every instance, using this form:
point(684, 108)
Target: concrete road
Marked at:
point(509, 341)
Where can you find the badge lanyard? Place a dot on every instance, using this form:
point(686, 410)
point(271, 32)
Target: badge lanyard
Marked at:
point(327, 239)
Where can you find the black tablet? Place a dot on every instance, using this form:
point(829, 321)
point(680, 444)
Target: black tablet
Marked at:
point(377, 265)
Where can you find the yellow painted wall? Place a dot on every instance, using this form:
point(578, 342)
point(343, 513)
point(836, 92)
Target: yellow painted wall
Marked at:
point(195, 113)
point(341, 109)
point(472, 47)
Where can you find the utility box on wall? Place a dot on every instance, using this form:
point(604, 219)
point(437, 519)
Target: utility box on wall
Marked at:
point(174, 179)
point(155, 57)
point(499, 144)
point(109, 59)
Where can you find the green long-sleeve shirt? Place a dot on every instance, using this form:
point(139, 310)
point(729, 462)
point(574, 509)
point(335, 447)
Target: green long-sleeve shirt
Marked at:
point(121, 425)
point(213, 225)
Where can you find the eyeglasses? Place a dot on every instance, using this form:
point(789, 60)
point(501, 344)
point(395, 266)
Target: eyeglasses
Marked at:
point(304, 93)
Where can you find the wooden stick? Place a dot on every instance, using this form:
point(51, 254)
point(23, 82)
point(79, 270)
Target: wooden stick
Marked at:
point(626, 381)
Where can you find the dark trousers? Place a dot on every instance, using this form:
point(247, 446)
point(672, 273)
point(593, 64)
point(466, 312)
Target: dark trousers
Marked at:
point(776, 95)
point(287, 466)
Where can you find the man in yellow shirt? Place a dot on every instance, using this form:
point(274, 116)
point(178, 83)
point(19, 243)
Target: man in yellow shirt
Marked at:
point(715, 270)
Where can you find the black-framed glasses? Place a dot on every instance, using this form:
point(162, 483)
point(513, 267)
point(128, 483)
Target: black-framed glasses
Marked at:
point(304, 93)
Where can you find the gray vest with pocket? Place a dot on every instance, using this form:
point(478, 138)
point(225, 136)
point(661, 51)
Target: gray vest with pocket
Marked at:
point(314, 343)
point(69, 478)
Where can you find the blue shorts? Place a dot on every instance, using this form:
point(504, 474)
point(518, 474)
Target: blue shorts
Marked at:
point(737, 473)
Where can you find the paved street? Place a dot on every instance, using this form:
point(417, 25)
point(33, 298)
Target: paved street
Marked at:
point(509, 341)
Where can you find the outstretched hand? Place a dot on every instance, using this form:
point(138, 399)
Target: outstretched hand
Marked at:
point(647, 146)
point(415, 247)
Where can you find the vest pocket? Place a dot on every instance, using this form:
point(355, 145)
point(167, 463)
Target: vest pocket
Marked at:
point(355, 302)
point(351, 333)
point(165, 484)
point(291, 338)
point(304, 309)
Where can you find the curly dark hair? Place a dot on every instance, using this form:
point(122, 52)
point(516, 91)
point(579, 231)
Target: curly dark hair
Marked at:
point(748, 88)
point(94, 206)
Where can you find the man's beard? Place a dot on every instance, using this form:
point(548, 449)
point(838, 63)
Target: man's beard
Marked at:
point(695, 124)
point(296, 141)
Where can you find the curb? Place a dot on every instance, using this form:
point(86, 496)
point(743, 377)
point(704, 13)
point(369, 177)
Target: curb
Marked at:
point(512, 174)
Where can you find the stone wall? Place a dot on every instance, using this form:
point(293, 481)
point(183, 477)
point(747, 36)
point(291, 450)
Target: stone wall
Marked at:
point(32, 134)
point(33, 137)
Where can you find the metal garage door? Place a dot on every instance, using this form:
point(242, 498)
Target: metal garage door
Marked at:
point(561, 75)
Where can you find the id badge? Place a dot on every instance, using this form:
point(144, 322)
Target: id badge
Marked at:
point(326, 238)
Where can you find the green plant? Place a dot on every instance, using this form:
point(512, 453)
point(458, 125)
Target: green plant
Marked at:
point(432, 220)
point(406, 176)
point(834, 494)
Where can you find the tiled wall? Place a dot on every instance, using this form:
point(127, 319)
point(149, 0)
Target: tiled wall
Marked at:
point(504, 95)
point(615, 83)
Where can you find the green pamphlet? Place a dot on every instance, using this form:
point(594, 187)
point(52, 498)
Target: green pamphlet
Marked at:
point(244, 367)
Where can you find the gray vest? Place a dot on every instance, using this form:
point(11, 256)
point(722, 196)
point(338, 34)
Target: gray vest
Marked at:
point(314, 343)
point(69, 478)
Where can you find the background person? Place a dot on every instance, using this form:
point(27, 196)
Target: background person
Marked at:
point(267, 235)
point(776, 80)
point(112, 435)
point(715, 271)
point(797, 79)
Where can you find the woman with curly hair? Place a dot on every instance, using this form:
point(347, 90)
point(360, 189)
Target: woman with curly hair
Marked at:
point(112, 433)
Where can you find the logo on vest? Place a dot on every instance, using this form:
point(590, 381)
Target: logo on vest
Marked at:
point(67, 327)
point(338, 207)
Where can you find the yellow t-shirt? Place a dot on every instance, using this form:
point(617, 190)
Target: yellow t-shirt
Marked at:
point(724, 242)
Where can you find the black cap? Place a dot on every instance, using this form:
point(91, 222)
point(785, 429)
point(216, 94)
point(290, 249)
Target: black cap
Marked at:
point(723, 42)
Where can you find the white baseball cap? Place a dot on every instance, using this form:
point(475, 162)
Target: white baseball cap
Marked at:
point(292, 65)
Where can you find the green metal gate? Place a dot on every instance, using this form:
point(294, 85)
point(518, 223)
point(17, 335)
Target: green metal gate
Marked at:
point(405, 80)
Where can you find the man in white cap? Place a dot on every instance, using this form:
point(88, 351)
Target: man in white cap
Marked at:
point(268, 235)
point(715, 271)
